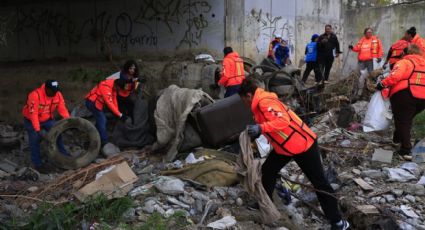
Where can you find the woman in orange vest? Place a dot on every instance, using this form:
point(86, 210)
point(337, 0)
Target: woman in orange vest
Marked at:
point(233, 72)
point(414, 38)
point(129, 73)
point(395, 53)
point(39, 115)
point(105, 93)
point(368, 47)
point(406, 83)
point(291, 139)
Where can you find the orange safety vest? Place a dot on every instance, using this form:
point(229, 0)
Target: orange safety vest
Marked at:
point(287, 133)
point(40, 108)
point(420, 42)
point(397, 50)
point(104, 93)
point(414, 79)
point(368, 49)
point(233, 70)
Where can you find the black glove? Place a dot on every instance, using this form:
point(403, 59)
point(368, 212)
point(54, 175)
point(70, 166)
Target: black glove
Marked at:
point(350, 47)
point(123, 118)
point(379, 86)
point(42, 134)
point(254, 131)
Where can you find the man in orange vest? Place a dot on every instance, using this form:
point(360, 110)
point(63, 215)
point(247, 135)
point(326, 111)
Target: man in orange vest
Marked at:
point(395, 53)
point(414, 38)
point(39, 117)
point(291, 139)
point(105, 93)
point(233, 72)
point(368, 47)
point(406, 83)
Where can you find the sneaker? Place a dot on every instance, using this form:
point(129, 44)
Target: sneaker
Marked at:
point(341, 225)
point(403, 152)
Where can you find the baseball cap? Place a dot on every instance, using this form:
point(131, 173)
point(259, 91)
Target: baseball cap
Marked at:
point(52, 84)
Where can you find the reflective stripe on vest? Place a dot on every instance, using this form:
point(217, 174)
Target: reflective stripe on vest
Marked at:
point(296, 125)
point(416, 82)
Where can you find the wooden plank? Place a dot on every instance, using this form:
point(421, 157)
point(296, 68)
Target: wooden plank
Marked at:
point(363, 184)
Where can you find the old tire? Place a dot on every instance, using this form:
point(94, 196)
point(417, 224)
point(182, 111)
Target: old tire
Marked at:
point(84, 159)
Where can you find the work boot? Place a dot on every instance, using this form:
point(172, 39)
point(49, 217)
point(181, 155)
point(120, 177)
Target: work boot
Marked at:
point(341, 225)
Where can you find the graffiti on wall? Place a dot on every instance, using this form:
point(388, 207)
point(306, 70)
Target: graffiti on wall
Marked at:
point(140, 26)
point(5, 30)
point(268, 26)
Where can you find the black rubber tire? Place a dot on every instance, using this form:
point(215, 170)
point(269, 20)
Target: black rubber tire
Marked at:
point(87, 157)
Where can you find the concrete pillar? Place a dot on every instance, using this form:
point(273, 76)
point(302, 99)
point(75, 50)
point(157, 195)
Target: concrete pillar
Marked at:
point(234, 24)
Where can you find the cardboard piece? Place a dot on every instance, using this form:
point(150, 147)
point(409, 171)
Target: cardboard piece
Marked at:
point(382, 155)
point(368, 209)
point(363, 184)
point(113, 182)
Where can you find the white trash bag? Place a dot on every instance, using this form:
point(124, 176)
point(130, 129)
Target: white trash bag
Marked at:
point(378, 115)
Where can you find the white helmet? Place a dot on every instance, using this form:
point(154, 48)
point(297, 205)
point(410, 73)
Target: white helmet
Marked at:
point(278, 36)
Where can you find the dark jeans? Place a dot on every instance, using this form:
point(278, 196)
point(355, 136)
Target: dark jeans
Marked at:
point(311, 165)
point(312, 66)
point(325, 67)
point(100, 121)
point(234, 89)
point(34, 140)
point(405, 107)
point(126, 105)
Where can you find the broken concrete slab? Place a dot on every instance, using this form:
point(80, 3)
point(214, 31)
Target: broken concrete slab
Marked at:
point(170, 185)
point(8, 166)
point(406, 210)
point(363, 184)
point(399, 175)
point(382, 155)
point(224, 223)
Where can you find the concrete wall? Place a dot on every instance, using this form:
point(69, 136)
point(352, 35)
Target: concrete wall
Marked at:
point(389, 24)
point(295, 20)
point(125, 28)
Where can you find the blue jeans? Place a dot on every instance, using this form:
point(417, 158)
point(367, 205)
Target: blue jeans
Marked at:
point(234, 89)
point(100, 117)
point(34, 140)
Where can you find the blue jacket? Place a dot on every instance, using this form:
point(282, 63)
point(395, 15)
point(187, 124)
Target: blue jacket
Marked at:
point(281, 54)
point(311, 52)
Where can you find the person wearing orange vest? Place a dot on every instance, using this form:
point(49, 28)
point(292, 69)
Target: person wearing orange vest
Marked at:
point(129, 73)
point(291, 139)
point(396, 52)
point(369, 47)
point(38, 115)
point(414, 38)
point(105, 93)
point(406, 83)
point(233, 72)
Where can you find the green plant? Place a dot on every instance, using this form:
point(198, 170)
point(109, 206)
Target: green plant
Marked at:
point(419, 126)
point(157, 222)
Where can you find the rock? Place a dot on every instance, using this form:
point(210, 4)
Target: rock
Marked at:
point(382, 155)
point(100, 160)
point(129, 215)
point(234, 192)
point(415, 189)
point(408, 211)
point(144, 189)
point(109, 150)
point(143, 218)
point(345, 143)
point(224, 223)
point(149, 206)
point(199, 195)
point(8, 166)
point(374, 174)
point(412, 167)
point(187, 199)
point(389, 198)
point(173, 200)
point(3, 174)
point(32, 189)
point(382, 200)
point(356, 171)
point(239, 202)
point(221, 191)
point(410, 198)
point(223, 212)
point(335, 186)
point(375, 200)
point(199, 206)
point(170, 185)
point(397, 192)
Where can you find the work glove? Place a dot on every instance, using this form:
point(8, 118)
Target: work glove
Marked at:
point(379, 86)
point(123, 118)
point(254, 131)
point(350, 47)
